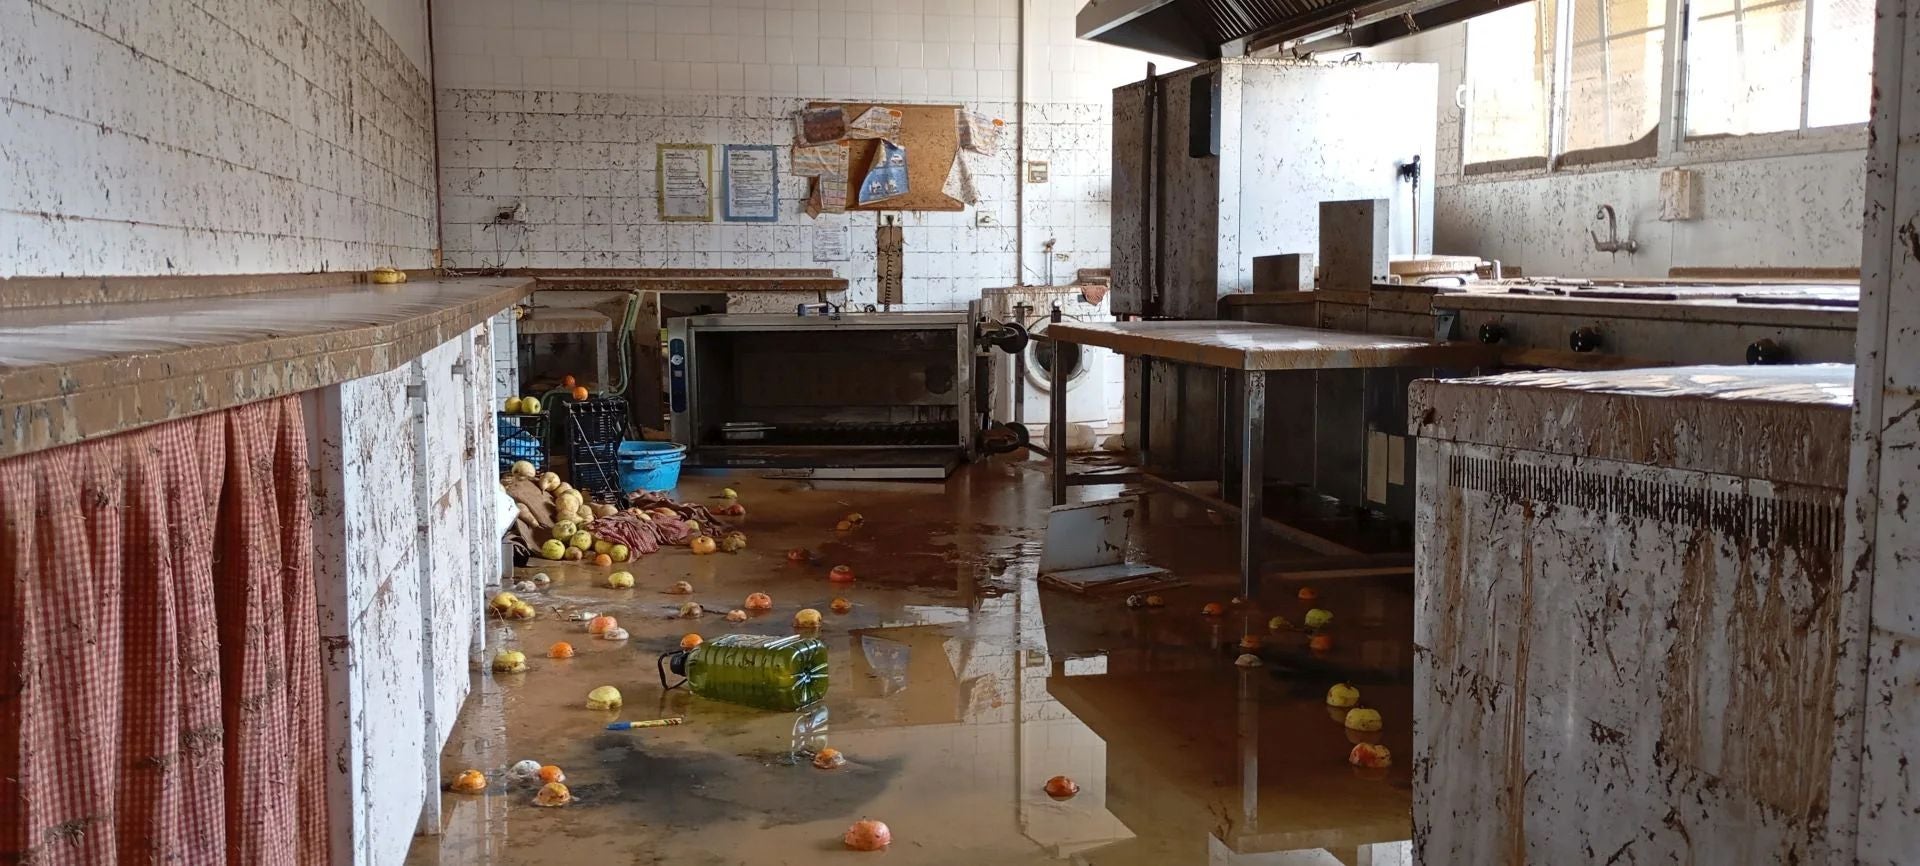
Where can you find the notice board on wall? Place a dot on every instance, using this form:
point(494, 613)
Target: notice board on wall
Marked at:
point(931, 140)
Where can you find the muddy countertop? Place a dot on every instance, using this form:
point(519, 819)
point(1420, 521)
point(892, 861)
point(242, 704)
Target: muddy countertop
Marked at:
point(71, 373)
point(1255, 346)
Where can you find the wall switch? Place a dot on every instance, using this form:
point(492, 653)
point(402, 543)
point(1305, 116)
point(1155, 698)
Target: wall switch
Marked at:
point(984, 218)
point(1036, 171)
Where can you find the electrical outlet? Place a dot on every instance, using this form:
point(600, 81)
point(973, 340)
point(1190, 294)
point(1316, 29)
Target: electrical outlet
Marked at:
point(984, 218)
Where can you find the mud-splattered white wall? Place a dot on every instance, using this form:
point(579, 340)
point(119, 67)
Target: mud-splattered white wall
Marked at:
point(403, 467)
point(558, 108)
point(1768, 207)
point(1883, 521)
point(182, 137)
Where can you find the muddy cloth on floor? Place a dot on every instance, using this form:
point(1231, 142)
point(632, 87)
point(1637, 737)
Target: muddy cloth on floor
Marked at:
point(685, 511)
point(161, 700)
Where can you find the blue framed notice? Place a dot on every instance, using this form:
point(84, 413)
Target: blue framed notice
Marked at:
point(750, 183)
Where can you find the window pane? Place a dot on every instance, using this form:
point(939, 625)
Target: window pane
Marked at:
point(1613, 87)
point(1744, 66)
point(1509, 69)
point(1842, 62)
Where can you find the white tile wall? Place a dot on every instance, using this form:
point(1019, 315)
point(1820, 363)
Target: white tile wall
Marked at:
point(1773, 211)
point(183, 137)
point(560, 111)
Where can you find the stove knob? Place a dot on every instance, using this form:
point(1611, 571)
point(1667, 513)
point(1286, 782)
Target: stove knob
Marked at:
point(1492, 332)
point(1766, 351)
point(1584, 339)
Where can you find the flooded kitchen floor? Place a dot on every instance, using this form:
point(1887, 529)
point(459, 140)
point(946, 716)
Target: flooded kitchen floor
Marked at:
point(958, 688)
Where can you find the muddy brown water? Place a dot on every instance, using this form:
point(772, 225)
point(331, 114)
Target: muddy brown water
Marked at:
point(959, 687)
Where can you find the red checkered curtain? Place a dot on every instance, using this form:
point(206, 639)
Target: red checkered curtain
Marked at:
point(160, 696)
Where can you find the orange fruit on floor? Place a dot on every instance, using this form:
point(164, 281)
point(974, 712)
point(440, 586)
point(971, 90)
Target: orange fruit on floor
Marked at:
point(602, 559)
point(1212, 608)
point(601, 624)
point(551, 773)
point(568, 381)
point(1320, 643)
point(690, 641)
point(1061, 787)
point(759, 601)
point(579, 393)
point(1307, 593)
point(840, 574)
point(470, 782)
point(561, 650)
point(867, 835)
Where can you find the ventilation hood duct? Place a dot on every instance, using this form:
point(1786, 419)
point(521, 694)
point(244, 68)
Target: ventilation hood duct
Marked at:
point(1196, 29)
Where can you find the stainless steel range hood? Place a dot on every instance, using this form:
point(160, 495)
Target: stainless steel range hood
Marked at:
point(1196, 29)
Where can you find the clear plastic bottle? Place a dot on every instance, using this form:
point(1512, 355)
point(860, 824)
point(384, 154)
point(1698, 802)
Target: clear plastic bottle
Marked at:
point(772, 673)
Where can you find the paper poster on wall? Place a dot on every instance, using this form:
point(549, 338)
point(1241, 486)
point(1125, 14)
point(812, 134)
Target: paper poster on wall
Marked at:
point(829, 243)
point(817, 125)
point(888, 176)
point(750, 180)
point(685, 173)
point(978, 132)
point(877, 122)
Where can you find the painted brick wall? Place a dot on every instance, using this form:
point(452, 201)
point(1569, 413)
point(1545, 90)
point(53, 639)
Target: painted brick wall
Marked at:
point(558, 106)
point(213, 136)
point(1769, 209)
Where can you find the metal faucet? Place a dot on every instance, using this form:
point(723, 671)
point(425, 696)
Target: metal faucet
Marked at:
point(1614, 243)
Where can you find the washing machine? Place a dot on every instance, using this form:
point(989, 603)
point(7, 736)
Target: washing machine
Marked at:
point(1090, 370)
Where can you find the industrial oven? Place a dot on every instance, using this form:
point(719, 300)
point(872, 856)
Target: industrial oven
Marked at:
point(859, 395)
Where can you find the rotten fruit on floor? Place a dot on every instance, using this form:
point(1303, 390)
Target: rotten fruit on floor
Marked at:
point(841, 605)
point(1212, 608)
point(1279, 623)
point(759, 601)
point(553, 794)
point(690, 640)
point(1307, 593)
point(1062, 788)
point(867, 835)
point(799, 554)
point(620, 580)
point(733, 542)
point(1318, 618)
point(1320, 643)
point(736, 615)
point(806, 618)
point(603, 698)
point(702, 545)
point(1370, 756)
point(1247, 660)
point(680, 587)
point(560, 650)
point(510, 662)
point(1250, 642)
point(601, 625)
point(840, 574)
point(829, 759)
point(551, 773)
point(615, 633)
point(1342, 695)
point(470, 782)
point(691, 610)
point(1362, 719)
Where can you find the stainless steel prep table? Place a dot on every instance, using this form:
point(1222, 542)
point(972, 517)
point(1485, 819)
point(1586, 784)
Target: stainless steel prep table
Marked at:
point(1244, 352)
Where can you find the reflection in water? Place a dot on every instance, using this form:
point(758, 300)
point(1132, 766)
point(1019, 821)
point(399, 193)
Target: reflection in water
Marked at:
point(953, 705)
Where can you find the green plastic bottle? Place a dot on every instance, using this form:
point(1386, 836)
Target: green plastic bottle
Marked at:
point(772, 673)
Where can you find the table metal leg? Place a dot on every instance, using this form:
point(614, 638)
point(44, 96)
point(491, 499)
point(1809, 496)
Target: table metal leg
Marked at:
point(600, 361)
point(1253, 388)
point(1057, 422)
point(1228, 403)
point(1145, 437)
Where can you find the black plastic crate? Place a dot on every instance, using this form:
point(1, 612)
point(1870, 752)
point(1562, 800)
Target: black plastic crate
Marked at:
point(602, 480)
point(594, 466)
point(522, 437)
point(594, 421)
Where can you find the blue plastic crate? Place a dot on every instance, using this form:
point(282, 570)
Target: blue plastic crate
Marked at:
point(522, 437)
